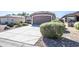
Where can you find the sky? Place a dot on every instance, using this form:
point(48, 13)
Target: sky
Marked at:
point(59, 7)
point(62, 13)
point(58, 13)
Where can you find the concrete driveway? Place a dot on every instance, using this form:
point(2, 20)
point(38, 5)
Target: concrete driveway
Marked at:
point(23, 36)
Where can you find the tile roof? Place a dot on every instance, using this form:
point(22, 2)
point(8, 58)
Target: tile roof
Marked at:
point(72, 14)
point(42, 12)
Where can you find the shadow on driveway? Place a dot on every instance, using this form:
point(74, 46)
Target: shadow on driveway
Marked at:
point(35, 25)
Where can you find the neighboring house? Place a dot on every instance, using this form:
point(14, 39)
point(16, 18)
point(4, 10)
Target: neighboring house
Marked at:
point(42, 17)
point(71, 18)
point(11, 19)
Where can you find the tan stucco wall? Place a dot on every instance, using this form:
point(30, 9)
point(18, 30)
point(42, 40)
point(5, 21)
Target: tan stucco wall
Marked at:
point(11, 20)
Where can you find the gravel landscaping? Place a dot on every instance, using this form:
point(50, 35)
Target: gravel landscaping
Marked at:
point(69, 39)
point(64, 42)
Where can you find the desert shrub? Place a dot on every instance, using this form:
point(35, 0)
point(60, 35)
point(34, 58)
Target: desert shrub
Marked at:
point(24, 24)
point(16, 26)
point(19, 24)
point(11, 24)
point(58, 21)
point(76, 25)
point(52, 29)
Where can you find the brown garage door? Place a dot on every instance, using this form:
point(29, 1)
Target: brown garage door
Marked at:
point(41, 19)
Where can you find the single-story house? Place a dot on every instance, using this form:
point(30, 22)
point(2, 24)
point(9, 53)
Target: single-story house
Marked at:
point(42, 17)
point(71, 18)
point(11, 19)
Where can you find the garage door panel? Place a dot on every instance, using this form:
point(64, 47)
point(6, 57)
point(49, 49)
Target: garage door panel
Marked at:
point(41, 19)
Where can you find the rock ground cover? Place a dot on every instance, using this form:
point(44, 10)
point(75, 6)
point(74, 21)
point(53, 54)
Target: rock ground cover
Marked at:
point(69, 39)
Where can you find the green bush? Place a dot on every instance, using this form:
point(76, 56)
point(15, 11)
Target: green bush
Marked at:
point(76, 25)
point(16, 26)
point(24, 24)
point(20, 24)
point(57, 21)
point(11, 24)
point(52, 29)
